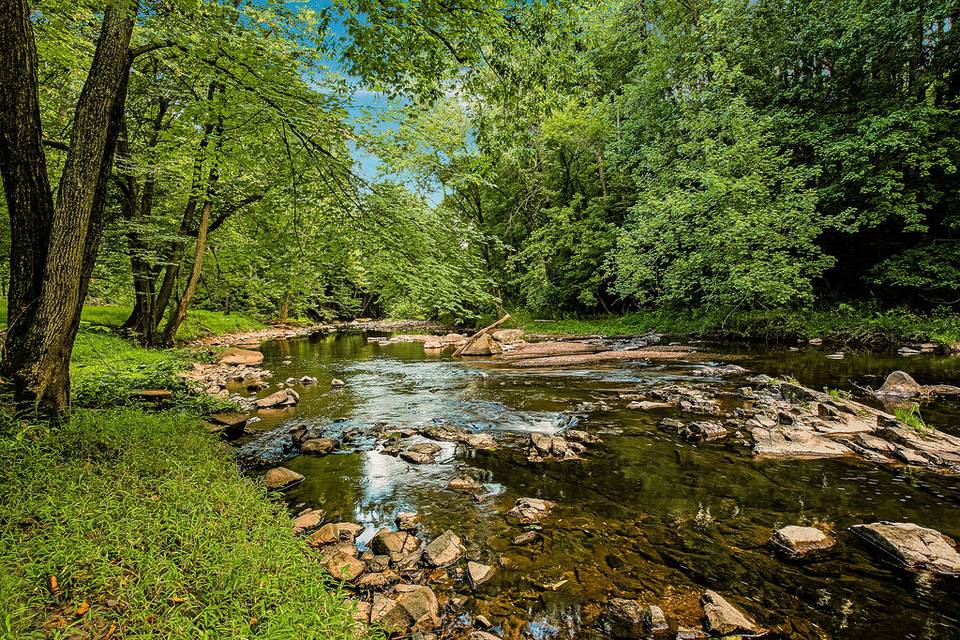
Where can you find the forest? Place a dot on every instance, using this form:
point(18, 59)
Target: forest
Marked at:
point(771, 171)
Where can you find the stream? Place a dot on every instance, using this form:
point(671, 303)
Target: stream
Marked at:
point(645, 515)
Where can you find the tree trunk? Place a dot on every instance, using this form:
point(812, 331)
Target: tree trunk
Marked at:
point(284, 308)
point(180, 312)
point(175, 255)
point(138, 205)
point(54, 242)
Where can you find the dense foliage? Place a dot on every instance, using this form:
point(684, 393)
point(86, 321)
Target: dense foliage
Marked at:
point(561, 156)
point(709, 153)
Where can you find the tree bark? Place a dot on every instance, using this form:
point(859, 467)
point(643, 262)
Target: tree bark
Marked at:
point(284, 308)
point(180, 311)
point(54, 242)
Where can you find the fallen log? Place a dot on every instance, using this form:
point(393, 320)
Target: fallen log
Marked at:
point(574, 359)
point(475, 336)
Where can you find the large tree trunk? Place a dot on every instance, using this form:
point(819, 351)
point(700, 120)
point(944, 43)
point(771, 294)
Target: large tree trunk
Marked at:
point(54, 243)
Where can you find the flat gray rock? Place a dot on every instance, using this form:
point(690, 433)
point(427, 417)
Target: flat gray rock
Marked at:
point(913, 546)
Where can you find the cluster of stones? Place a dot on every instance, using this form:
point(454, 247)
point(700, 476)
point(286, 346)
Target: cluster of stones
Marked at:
point(391, 578)
point(567, 446)
point(398, 442)
point(629, 619)
point(911, 546)
point(788, 420)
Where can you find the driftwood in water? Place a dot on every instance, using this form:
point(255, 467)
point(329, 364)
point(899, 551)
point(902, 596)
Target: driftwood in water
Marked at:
point(475, 336)
point(573, 359)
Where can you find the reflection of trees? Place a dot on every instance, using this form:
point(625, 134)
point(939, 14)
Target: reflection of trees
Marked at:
point(333, 483)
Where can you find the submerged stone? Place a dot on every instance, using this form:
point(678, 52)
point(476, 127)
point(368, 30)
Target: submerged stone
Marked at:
point(796, 542)
point(723, 618)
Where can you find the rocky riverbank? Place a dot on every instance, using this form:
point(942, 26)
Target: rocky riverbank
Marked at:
point(410, 582)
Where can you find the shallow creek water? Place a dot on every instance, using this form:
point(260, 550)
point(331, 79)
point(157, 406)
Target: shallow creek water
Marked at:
point(645, 515)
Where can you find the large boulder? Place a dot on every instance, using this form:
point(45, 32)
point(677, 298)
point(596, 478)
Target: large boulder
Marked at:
point(482, 346)
point(913, 546)
point(796, 542)
point(900, 384)
point(444, 550)
point(234, 356)
point(723, 618)
point(281, 478)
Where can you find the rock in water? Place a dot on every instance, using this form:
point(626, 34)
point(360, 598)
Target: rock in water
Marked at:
point(796, 542)
point(396, 544)
point(478, 573)
point(318, 446)
point(704, 430)
point(465, 484)
point(281, 478)
point(407, 520)
point(654, 620)
point(282, 398)
point(307, 520)
point(236, 357)
point(444, 550)
point(913, 546)
point(508, 336)
point(723, 618)
point(482, 346)
point(421, 605)
point(530, 510)
point(624, 618)
point(421, 453)
point(900, 384)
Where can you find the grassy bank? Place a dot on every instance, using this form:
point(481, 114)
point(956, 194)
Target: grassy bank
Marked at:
point(843, 325)
point(144, 520)
point(198, 323)
point(150, 530)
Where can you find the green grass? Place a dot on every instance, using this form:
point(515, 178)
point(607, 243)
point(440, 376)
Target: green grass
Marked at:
point(144, 518)
point(844, 324)
point(911, 417)
point(199, 323)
